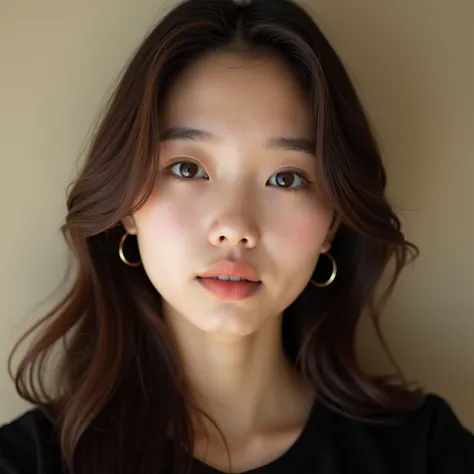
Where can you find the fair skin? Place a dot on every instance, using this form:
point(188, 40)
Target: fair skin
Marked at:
point(233, 207)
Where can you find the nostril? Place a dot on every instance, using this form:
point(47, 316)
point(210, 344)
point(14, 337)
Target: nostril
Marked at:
point(222, 239)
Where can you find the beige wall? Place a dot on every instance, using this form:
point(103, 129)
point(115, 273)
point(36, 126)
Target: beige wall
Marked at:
point(413, 64)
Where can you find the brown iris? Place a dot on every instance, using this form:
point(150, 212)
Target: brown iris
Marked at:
point(188, 170)
point(285, 179)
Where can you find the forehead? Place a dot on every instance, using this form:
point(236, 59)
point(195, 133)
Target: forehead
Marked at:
point(232, 92)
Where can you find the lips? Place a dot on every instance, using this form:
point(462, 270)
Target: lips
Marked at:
point(230, 290)
point(231, 268)
point(225, 287)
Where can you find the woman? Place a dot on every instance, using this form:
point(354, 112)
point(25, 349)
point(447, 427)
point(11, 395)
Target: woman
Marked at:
point(229, 227)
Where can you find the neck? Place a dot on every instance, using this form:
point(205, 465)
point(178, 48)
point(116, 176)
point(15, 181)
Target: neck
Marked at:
point(243, 383)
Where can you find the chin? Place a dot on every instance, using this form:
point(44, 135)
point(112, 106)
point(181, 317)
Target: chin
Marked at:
point(232, 322)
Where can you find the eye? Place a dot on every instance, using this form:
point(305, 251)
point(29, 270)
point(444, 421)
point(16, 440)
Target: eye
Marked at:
point(288, 180)
point(187, 170)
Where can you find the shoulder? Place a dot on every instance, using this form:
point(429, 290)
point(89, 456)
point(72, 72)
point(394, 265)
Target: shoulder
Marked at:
point(437, 420)
point(448, 443)
point(29, 445)
point(435, 410)
point(431, 438)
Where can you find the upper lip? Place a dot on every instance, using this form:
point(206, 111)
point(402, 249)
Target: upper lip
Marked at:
point(231, 268)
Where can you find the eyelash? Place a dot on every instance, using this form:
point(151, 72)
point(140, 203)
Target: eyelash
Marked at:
point(301, 174)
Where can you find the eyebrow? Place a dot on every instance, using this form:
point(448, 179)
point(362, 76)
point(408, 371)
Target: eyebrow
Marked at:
point(279, 143)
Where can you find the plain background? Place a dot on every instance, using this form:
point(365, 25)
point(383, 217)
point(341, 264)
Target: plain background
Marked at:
point(412, 63)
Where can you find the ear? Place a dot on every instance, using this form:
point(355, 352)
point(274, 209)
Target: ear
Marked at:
point(326, 247)
point(129, 224)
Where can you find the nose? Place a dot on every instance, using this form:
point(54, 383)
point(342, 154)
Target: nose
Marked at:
point(233, 230)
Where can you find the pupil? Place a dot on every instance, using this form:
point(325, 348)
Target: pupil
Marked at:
point(187, 170)
point(285, 179)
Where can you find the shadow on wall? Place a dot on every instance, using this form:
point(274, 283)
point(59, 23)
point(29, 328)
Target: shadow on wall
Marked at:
point(415, 82)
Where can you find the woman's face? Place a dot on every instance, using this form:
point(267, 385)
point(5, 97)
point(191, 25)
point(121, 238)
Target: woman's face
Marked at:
point(242, 188)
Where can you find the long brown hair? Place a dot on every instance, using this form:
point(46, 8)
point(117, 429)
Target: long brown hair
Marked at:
point(118, 385)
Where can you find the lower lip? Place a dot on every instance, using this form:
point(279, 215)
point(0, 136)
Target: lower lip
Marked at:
point(229, 290)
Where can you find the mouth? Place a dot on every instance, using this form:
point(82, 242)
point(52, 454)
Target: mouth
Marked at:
point(230, 280)
point(229, 288)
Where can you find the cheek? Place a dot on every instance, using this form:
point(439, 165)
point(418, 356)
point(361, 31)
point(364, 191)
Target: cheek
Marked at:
point(300, 231)
point(163, 227)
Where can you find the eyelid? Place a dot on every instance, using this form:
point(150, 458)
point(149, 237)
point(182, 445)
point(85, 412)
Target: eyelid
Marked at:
point(182, 160)
point(302, 174)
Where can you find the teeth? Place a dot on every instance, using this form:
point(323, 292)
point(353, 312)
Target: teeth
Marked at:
point(228, 278)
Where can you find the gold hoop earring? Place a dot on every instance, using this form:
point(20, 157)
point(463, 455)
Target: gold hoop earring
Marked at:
point(122, 256)
point(333, 274)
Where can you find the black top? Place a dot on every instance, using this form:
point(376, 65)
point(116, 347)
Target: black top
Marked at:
point(430, 441)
